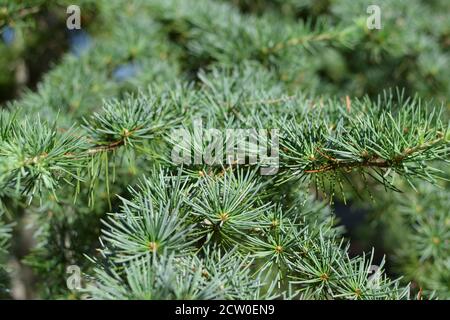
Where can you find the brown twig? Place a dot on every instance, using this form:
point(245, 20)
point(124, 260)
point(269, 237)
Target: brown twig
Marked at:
point(114, 145)
point(348, 103)
point(375, 162)
point(108, 147)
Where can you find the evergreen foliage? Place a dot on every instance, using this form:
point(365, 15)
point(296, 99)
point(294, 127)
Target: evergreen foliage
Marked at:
point(362, 116)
